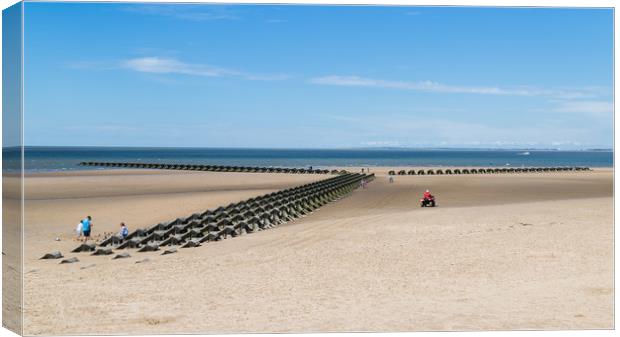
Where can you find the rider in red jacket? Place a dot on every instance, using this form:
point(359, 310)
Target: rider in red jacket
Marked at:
point(428, 195)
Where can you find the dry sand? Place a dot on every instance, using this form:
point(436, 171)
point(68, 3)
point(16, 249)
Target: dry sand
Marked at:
point(510, 251)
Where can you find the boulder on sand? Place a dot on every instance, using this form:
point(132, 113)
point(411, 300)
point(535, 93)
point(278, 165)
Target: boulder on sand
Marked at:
point(191, 244)
point(121, 256)
point(52, 255)
point(103, 251)
point(149, 248)
point(70, 260)
point(169, 251)
point(85, 247)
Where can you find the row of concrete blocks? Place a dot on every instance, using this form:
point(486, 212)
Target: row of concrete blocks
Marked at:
point(488, 170)
point(213, 168)
point(247, 216)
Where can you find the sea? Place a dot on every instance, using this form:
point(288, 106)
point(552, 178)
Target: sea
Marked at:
point(51, 159)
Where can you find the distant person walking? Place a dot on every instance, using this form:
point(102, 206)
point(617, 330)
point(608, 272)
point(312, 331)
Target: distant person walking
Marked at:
point(391, 180)
point(87, 226)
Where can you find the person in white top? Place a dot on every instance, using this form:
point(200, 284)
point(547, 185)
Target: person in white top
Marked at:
point(78, 230)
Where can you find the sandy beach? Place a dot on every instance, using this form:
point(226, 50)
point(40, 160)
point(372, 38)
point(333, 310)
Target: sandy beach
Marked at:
point(509, 251)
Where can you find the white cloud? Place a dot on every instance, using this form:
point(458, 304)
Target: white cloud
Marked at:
point(163, 65)
point(160, 65)
point(565, 143)
point(381, 143)
point(429, 86)
point(590, 107)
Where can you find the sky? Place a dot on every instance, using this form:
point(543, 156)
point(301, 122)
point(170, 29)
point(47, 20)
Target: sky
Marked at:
point(277, 76)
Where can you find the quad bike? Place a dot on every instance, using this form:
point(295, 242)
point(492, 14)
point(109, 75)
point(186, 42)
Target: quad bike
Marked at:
point(427, 202)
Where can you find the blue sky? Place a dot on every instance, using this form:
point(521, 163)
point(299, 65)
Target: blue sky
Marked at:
point(317, 76)
point(11, 75)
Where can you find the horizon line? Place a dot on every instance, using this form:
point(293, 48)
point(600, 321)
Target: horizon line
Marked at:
point(594, 148)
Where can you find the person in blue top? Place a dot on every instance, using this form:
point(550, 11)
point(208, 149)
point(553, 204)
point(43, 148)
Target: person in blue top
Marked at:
point(124, 231)
point(87, 227)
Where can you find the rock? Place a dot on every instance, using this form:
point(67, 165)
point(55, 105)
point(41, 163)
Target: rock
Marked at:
point(169, 251)
point(52, 255)
point(70, 260)
point(191, 244)
point(149, 248)
point(103, 251)
point(121, 256)
point(85, 247)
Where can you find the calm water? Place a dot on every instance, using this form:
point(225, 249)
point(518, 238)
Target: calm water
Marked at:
point(64, 158)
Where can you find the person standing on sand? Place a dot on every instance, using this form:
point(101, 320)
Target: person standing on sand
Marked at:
point(124, 231)
point(391, 180)
point(87, 227)
point(78, 230)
